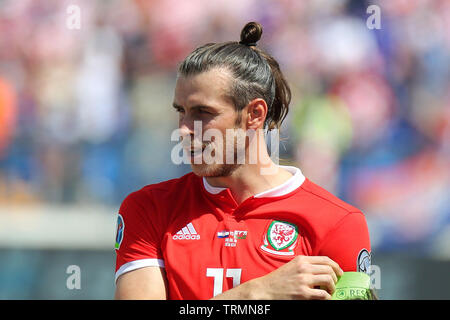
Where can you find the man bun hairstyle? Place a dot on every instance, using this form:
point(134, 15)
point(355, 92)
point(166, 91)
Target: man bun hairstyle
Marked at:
point(251, 33)
point(255, 73)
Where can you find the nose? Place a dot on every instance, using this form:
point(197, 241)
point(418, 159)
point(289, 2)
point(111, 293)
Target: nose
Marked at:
point(189, 126)
point(191, 132)
point(186, 131)
point(186, 126)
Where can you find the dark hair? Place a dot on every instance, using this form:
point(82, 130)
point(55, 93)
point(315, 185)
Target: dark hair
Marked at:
point(256, 74)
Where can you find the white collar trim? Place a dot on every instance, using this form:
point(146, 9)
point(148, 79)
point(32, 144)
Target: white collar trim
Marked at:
point(293, 183)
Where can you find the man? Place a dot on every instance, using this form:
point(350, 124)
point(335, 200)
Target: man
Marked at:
point(235, 228)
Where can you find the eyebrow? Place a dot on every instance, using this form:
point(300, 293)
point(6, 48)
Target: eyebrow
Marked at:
point(199, 106)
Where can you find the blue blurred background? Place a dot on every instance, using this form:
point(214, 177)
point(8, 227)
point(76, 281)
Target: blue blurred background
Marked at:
point(86, 118)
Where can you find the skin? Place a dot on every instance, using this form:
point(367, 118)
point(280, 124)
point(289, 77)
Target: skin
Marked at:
point(203, 98)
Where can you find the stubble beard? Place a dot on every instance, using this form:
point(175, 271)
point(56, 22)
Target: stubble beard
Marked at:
point(218, 169)
point(214, 170)
point(224, 169)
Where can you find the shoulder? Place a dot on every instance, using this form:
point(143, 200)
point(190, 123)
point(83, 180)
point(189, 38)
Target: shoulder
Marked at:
point(152, 208)
point(155, 194)
point(340, 229)
point(318, 196)
point(325, 211)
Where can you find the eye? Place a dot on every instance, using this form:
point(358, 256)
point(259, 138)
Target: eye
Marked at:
point(179, 109)
point(205, 111)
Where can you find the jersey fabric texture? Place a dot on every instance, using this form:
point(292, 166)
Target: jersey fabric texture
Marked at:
point(208, 244)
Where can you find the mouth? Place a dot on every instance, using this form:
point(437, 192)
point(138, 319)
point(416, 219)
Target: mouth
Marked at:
point(195, 152)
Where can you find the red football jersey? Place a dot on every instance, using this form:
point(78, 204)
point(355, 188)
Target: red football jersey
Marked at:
point(208, 244)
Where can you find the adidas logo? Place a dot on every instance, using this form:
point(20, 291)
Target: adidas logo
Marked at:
point(187, 233)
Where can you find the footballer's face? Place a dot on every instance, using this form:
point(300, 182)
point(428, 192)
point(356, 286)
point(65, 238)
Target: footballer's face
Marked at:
point(205, 114)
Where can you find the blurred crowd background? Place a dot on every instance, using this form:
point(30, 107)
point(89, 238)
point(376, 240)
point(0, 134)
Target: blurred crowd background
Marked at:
point(86, 116)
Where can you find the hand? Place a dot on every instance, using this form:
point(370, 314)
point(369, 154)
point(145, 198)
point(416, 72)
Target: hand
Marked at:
point(304, 277)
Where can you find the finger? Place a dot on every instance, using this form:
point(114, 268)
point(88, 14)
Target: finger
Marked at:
point(317, 269)
point(323, 281)
point(324, 260)
point(317, 294)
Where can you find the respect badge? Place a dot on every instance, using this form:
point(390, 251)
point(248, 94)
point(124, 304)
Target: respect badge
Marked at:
point(353, 286)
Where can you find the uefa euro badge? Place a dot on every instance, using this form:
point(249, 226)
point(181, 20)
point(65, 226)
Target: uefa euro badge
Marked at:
point(364, 261)
point(119, 231)
point(352, 286)
point(280, 238)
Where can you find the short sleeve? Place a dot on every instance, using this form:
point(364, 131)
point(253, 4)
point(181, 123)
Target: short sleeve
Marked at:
point(348, 243)
point(138, 234)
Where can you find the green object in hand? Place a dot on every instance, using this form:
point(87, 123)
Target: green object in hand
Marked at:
point(352, 286)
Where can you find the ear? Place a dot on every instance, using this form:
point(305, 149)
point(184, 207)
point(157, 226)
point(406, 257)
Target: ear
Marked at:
point(256, 114)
